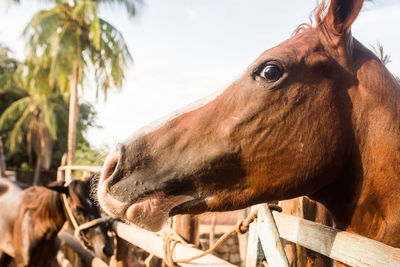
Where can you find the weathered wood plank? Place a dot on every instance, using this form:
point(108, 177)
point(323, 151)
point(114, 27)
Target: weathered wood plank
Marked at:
point(270, 239)
point(80, 168)
point(345, 247)
point(252, 245)
point(154, 244)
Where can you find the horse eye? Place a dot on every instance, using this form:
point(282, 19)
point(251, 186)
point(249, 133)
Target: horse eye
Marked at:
point(271, 73)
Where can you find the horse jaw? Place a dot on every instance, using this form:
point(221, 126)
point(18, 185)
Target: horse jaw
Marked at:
point(150, 213)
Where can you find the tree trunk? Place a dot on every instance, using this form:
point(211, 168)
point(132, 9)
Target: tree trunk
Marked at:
point(2, 160)
point(73, 116)
point(37, 170)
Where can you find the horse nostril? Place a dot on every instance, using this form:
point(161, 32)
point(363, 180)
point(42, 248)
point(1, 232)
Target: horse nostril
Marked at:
point(110, 165)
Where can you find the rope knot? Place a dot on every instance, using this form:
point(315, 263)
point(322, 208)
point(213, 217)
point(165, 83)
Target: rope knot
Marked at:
point(243, 226)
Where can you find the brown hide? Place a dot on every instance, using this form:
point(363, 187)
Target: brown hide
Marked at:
point(31, 219)
point(40, 218)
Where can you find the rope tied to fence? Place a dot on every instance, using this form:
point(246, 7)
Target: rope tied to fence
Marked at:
point(171, 239)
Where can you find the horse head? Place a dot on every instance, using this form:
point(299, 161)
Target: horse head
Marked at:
point(81, 210)
point(297, 122)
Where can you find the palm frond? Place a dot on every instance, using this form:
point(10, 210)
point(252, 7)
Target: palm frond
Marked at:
point(129, 5)
point(17, 133)
point(14, 111)
point(49, 118)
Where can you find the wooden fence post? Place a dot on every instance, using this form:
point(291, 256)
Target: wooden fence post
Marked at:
point(264, 229)
point(60, 172)
point(211, 239)
point(349, 248)
point(123, 254)
point(243, 238)
point(302, 207)
point(252, 247)
point(187, 226)
point(270, 239)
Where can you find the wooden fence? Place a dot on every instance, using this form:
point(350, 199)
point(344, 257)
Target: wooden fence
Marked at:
point(265, 238)
point(342, 246)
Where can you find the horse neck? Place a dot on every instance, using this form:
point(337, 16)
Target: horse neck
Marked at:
point(364, 198)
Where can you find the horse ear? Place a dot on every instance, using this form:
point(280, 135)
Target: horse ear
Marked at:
point(341, 14)
point(58, 188)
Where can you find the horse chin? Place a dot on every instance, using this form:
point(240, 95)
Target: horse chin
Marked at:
point(150, 212)
point(194, 206)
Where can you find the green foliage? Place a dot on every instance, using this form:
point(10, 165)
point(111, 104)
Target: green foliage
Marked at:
point(85, 155)
point(25, 166)
point(26, 98)
point(8, 66)
point(87, 119)
point(71, 34)
point(34, 95)
point(9, 93)
point(35, 117)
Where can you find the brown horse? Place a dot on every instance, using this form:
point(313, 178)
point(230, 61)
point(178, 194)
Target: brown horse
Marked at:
point(317, 115)
point(30, 220)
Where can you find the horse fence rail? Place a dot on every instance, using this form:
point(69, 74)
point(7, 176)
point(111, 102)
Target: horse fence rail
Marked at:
point(346, 247)
point(88, 257)
point(153, 244)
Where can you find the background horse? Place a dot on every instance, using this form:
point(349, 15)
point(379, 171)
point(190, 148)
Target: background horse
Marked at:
point(317, 115)
point(31, 219)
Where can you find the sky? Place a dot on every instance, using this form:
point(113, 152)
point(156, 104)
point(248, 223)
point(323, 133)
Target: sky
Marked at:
point(184, 50)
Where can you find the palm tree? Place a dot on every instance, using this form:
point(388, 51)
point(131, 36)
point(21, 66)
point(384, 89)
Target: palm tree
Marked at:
point(75, 41)
point(36, 116)
point(8, 67)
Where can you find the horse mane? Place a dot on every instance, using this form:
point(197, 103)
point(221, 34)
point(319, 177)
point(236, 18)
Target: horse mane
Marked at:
point(43, 205)
point(318, 13)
